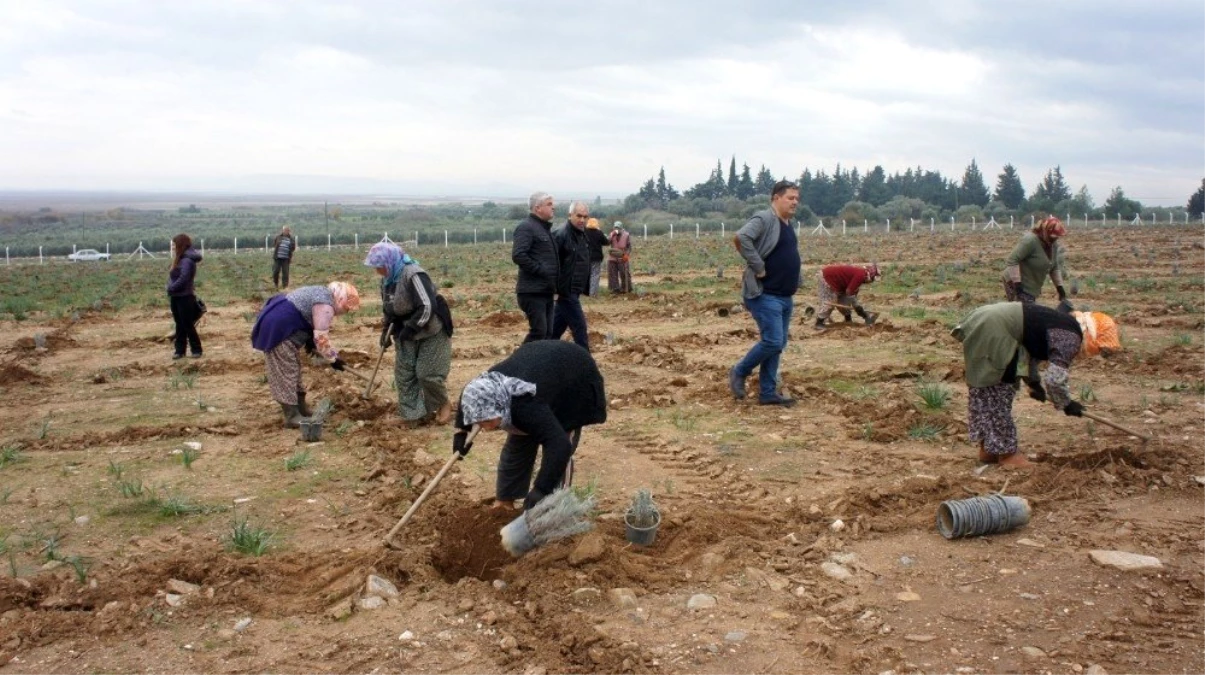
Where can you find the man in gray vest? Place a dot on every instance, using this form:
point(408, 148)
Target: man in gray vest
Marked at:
point(282, 254)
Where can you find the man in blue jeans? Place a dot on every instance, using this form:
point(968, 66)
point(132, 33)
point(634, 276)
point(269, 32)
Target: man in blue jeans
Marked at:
point(769, 246)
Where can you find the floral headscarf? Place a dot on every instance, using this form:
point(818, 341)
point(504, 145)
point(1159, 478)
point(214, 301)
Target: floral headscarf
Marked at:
point(872, 272)
point(1049, 228)
point(390, 256)
point(489, 396)
point(1100, 332)
point(347, 298)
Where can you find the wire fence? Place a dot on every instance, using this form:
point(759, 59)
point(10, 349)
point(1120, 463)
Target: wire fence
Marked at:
point(250, 245)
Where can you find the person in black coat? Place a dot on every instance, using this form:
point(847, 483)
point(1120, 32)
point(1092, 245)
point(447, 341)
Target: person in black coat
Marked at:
point(540, 395)
point(597, 241)
point(534, 251)
point(573, 249)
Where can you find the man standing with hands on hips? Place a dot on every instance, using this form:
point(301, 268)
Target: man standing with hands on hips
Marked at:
point(771, 252)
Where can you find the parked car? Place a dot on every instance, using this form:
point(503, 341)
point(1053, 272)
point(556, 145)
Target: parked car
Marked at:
point(87, 254)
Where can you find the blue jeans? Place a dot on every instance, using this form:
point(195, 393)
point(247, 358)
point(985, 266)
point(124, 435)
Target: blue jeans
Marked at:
point(773, 316)
point(569, 315)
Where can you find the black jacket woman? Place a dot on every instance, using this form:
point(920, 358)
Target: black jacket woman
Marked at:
point(182, 293)
point(542, 394)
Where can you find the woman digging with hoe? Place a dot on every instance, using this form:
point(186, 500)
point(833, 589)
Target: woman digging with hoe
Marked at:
point(419, 324)
point(544, 392)
point(992, 338)
point(289, 321)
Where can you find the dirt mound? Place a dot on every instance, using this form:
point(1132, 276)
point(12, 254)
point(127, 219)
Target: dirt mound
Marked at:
point(12, 373)
point(480, 352)
point(349, 404)
point(502, 318)
point(657, 356)
point(53, 342)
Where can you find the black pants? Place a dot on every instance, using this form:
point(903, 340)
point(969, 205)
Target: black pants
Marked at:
point(517, 462)
point(184, 313)
point(280, 272)
point(569, 315)
point(538, 307)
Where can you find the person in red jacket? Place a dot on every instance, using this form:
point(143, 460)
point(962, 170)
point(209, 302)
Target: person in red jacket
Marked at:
point(839, 286)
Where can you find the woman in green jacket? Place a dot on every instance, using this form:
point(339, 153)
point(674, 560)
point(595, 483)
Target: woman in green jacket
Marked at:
point(1037, 256)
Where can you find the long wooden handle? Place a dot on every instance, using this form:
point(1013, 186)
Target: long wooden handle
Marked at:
point(1111, 423)
point(388, 541)
point(368, 387)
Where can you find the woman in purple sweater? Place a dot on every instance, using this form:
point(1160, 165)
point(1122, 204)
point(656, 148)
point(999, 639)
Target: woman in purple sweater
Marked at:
point(183, 295)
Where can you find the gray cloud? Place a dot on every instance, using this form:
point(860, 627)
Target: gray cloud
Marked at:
point(597, 97)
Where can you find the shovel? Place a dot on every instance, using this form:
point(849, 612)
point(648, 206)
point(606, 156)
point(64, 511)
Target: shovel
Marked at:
point(388, 541)
point(368, 387)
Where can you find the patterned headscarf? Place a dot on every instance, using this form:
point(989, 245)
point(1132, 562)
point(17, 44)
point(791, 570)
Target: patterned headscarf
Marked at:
point(872, 272)
point(1100, 332)
point(488, 396)
point(390, 256)
point(347, 298)
point(1049, 228)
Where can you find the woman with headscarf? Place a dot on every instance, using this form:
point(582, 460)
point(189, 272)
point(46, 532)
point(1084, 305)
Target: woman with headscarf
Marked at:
point(542, 394)
point(596, 241)
point(619, 264)
point(418, 322)
point(287, 322)
point(181, 290)
point(993, 337)
point(1037, 256)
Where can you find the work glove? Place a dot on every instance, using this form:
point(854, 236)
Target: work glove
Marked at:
point(1061, 291)
point(386, 335)
point(406, 333)
point(338, 364)
point(1074, 409)
point(1036, 392)
point(460, 445)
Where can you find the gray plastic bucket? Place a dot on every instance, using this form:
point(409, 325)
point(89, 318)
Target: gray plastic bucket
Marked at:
point(516, 537)
point(991, 514)
point(311, 430)
point(641, 536)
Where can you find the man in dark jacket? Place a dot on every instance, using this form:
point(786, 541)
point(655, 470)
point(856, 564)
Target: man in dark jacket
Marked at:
point(535, 253)
point(573, 250)
point(282, 256)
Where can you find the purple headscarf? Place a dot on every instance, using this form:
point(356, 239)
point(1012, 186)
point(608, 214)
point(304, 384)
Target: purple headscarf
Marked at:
point(390, 256)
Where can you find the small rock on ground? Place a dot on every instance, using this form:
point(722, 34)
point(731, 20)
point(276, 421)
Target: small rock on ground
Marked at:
point(1125, 561)
point(701, 601)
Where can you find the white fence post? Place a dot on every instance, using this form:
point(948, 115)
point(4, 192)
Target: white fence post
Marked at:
point(696, 230)
point(1010, 222)
point(646, 231)
point(842, 227)
point(504, 235)
point(357, 241)
point(202, 246)
point(416, 239)
point(73, 245)
point(266, 243)
point(972, 223)
point(474, 236)
point(724, 232)
point(445, 238)
point(888, 225)
point(951, 223)
point(932, 224)
point(328, 241)
point(39, 255)
point(865, 225)
point(236, 245)
point(1119, 219)
point(6, 262)
point(671, 230)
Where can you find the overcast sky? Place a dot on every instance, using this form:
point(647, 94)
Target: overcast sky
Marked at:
point(511, 96)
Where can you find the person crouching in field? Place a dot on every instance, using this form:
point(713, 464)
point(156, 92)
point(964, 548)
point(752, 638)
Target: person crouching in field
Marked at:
point(1037, 256)
point(992, 338)
point(289, 321)
point(541, 396)
point(419, 324)
point(181, 290)
point(839, 286)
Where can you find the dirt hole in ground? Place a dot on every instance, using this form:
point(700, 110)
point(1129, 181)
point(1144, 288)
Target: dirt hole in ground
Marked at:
point(471, 545)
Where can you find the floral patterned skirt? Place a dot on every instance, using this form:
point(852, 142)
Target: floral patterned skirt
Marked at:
point(990, 418)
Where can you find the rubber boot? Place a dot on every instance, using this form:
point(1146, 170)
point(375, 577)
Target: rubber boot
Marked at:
point(870, 317)
point(292, 416)
point(848, 317)
point(301, 406)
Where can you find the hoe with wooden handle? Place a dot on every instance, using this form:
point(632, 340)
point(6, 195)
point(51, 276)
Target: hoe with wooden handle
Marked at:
point(371, 380)
point(1108, 422)
point(388, 541)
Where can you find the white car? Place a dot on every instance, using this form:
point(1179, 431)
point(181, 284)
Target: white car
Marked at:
point(87, 254)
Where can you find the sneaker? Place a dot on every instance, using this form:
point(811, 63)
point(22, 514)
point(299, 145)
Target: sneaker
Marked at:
point(737, 384)
point(194, 355)
point(177, 356)
point(871, 318)
point(777, 400)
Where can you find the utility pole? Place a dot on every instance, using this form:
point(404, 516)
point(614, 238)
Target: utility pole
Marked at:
point(326, 214)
